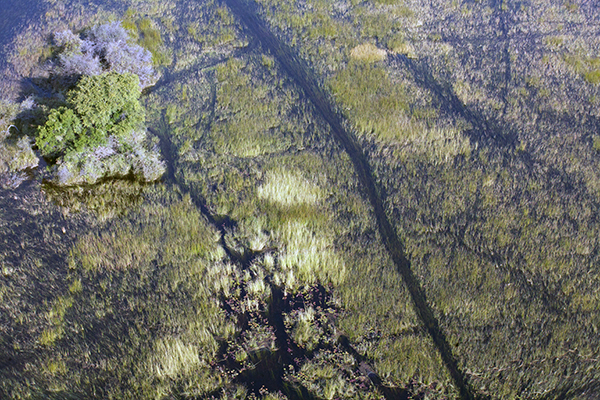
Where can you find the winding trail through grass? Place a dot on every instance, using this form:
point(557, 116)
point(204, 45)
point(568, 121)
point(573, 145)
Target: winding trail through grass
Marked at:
point(324, 106)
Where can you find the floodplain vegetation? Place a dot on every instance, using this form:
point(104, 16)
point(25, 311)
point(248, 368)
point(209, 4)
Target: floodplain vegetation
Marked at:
point(255, 268)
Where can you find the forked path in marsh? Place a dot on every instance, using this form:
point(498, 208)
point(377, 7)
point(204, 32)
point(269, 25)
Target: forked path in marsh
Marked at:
point(303, 77)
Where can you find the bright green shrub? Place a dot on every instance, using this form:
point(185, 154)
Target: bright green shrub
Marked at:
point(60, 131)
point(99, 106)
point(109, 103)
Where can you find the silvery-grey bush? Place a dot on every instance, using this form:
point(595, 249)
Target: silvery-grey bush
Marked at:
point(121, 156)
point(104, 48)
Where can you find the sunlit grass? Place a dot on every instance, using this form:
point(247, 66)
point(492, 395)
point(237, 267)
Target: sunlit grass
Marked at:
point(173, 358)
point(304, 332)
point(409, 356)
point(381, 109)
point(253, 110)
point(368, 53)
point(15, 154)
point(181, 228)
point(325, 376)
point(50, 336)
point(584, 65)
point(286, 189)
point(308, 256)
point(157, 271)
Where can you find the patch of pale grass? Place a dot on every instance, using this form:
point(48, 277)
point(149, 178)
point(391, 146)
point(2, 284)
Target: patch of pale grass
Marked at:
point(308, 257)
point(404, 48)
point(438, 143)
point(304, 332)
point(173, 358)
point(222, 277)
point(289, 189)
point(368, 52)
point(257, 287)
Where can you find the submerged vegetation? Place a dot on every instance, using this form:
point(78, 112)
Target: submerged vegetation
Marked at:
point(256, 268)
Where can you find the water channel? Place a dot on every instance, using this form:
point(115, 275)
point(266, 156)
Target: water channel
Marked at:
point(302, 76)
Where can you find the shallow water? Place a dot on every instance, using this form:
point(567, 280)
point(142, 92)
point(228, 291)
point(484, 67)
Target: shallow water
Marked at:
point(14, 19)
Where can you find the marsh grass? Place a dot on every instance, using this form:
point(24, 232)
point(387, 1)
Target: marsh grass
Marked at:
point(216, 29)
point(502, 222)
point(381, 109)
point(400, 45)
point(153, 273)
point(367, 91)
point(409, 356)
point(326, 381)
point(368, 53)
point(15, 148)
point(427, 198)
point(586, 66)
point(173, 358)
point(105, 200)
point(286, 189)
point(304, 331)
point(55, 317)
point(117, 250)
point(308, 254)
point(436, 143)
point(252, 120)
point(263, 163)
point(146, 33)
point(8, 112)
point(293, 217)
point(51, 335)
point(182, 229)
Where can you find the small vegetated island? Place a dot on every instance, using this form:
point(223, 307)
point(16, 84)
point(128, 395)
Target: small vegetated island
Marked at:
point(95, 126)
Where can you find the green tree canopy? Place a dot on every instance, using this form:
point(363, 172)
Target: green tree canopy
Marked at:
point(98, 106)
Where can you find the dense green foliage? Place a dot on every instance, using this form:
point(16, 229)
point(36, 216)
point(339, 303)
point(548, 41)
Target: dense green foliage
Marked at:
point(98, 107)
point(60, 132)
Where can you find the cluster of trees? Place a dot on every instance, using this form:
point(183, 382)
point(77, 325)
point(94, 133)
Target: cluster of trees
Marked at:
point(99, 131)
point(98, 106)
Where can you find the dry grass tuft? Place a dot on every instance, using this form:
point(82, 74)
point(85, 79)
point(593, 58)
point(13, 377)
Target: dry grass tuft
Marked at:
point(368, 52)
point(174, 358)
point(287, 189)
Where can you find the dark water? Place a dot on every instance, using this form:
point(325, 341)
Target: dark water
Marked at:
point(324, 106)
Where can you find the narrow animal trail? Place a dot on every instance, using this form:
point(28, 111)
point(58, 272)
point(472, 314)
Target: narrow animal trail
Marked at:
point(301, 74)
